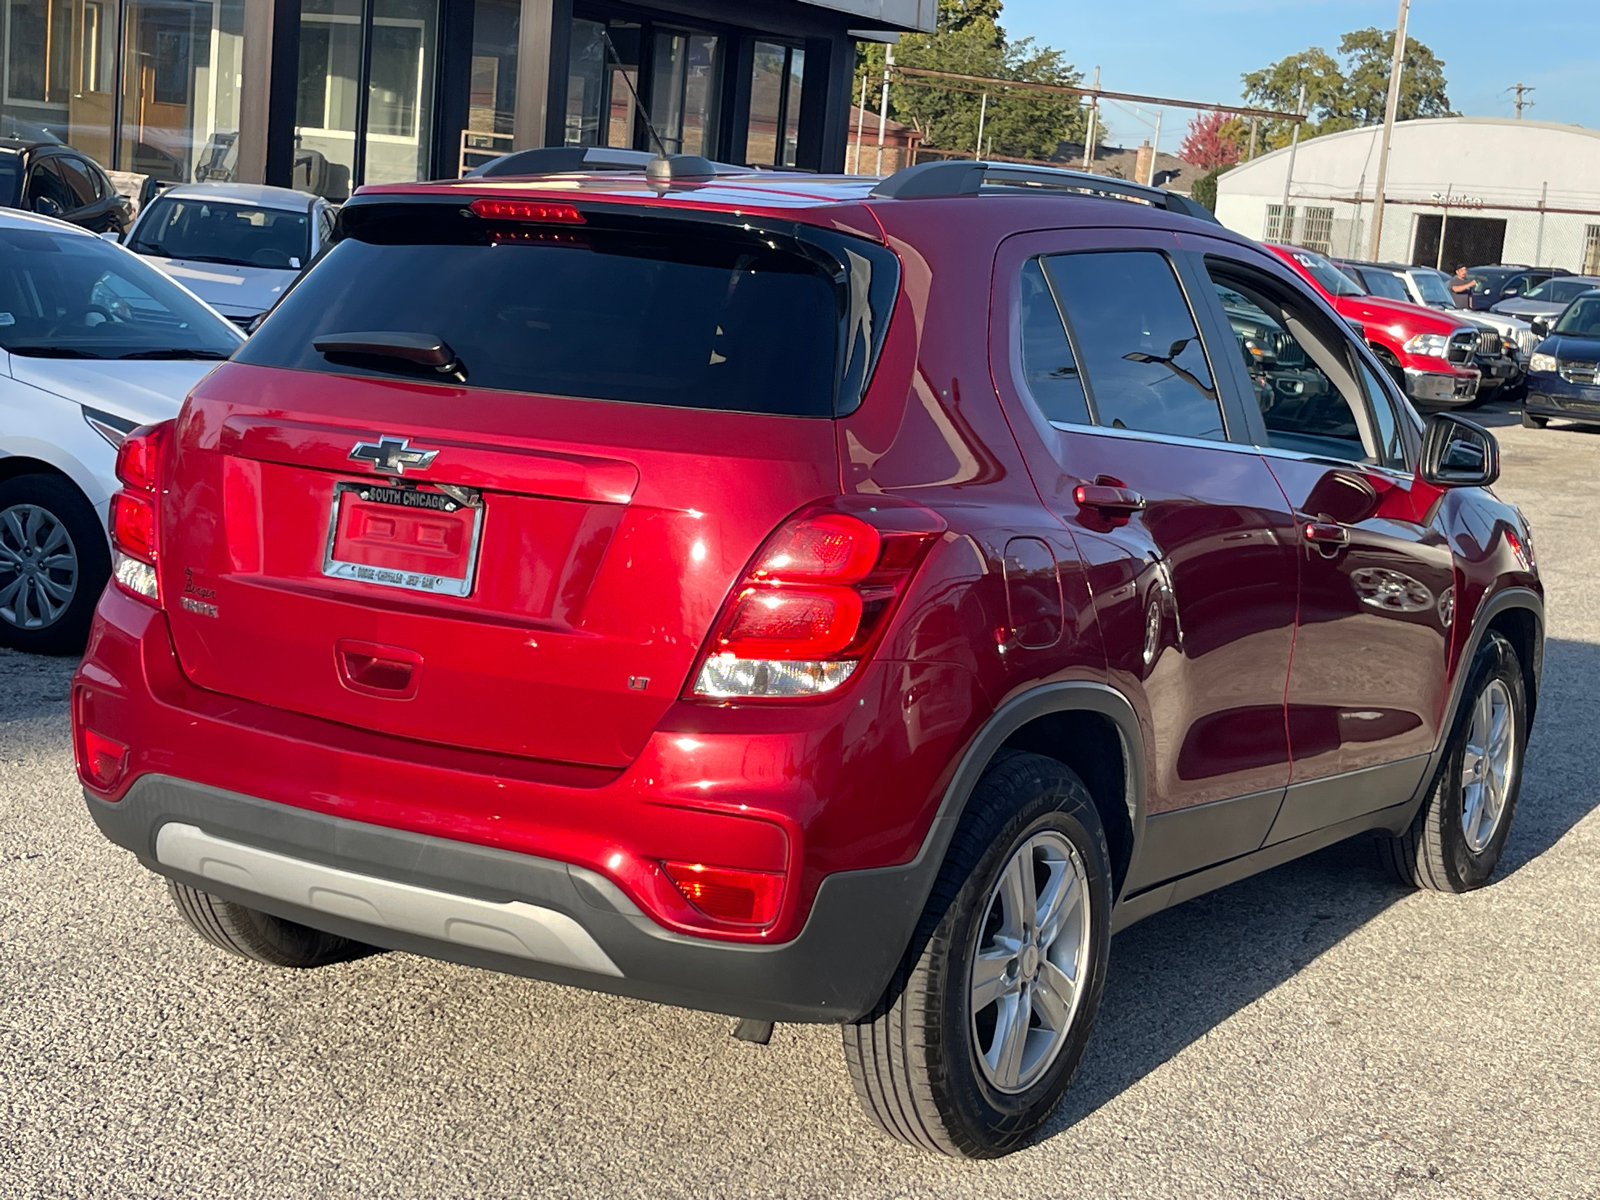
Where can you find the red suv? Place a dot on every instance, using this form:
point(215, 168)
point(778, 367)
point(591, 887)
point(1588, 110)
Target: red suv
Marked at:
point(804, 599)
point(1431, 353)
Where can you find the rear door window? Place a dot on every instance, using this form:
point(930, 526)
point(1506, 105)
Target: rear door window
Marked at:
point(1048, 366)
point(682, 313)
point(76, 172)
point(1137, 346)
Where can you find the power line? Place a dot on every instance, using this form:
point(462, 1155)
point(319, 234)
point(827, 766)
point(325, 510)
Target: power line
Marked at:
point(1521, 89)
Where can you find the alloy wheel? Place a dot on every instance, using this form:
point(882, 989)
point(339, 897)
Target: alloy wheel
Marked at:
point(38, 567)
point(1487, 765)
point(1030, 961)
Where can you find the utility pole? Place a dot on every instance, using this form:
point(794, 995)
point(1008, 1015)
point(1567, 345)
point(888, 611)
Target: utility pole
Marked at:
point(1396, 65)
point(1155, 148)
point(1285, 220)
point(1538, 250)
point(1520, 89)
point(1094, 120)
point(1255, 123)
point(983, 114)
point(883, 103)
point(861, 119)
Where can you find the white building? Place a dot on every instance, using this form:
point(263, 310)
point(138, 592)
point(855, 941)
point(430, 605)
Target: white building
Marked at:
point(1460, 190)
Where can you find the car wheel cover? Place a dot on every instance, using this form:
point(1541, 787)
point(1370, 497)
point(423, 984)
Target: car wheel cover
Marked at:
point(38, 567)
point(1029, 962)
point(1487, 765)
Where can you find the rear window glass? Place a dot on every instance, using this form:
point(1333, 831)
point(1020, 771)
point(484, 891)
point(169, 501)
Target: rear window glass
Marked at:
point(679, 313)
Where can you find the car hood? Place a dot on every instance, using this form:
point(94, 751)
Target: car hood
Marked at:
point(1413, 318)
point(140, 391)
point(232, 291)
point(1528, 309)
point(1568, 348)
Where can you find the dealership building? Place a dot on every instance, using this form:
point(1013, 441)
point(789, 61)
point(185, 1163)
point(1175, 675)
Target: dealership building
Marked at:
point(1460, 190)
point(329, 94)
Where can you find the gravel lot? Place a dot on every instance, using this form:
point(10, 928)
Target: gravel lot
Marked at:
point(1316, 1031)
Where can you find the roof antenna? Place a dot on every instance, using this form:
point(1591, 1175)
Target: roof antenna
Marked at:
point(663, 168)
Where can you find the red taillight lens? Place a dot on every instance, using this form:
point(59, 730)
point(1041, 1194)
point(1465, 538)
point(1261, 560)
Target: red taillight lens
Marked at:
point(725, 894)
point(527, 210)
point(133, 525)
point(137, 457)
point(829, 548)
point(815, 600)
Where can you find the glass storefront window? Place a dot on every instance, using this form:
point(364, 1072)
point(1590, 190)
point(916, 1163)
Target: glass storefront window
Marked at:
point(686, 79)
point(400, 91)
point(325, 108)
point(600, 79)
point(181, 64)
point(775, 84)
point(492, 91)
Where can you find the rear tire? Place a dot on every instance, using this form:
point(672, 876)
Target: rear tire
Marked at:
point(1459, 833)
point(984, 1024)
point(256, 935)
point(54, 563)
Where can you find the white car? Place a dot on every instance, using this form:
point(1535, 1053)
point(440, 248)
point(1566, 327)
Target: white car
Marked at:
point(237, 246)
point(94, 342)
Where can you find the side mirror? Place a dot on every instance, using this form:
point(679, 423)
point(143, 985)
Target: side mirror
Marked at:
point(46, 207)
point(1457, 453)
point(1541, 329)
point(112, 236)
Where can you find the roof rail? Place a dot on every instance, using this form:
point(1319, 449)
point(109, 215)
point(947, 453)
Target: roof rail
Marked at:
point(959, 177)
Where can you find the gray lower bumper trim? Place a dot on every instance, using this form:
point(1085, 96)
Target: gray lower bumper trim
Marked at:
point(513, 928)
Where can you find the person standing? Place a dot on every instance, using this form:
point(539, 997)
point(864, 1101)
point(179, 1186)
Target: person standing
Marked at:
point(1462, 287)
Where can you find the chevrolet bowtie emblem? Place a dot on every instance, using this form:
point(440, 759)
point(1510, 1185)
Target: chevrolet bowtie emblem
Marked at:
point(391, 456)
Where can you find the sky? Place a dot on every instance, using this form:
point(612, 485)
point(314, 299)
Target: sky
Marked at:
point(1198, 49)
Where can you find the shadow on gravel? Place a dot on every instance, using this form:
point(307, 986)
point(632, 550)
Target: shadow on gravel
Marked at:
point(1180, 974)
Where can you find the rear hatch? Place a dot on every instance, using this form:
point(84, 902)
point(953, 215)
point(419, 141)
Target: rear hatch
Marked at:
point(519, 545)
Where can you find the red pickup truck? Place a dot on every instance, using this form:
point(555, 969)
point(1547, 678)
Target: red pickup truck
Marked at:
point(1427, 351)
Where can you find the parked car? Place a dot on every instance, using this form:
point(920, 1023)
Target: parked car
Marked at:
point(805, 599)
point(1541, 306)
point(1564, 372)
point(93, 343)
point(237, 246)
point(53, 180)
point(1502, 340)
point(1506, 282)
point(1429, 354)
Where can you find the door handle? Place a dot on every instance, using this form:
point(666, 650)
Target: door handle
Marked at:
point(1325, 535)
point(1119, 501)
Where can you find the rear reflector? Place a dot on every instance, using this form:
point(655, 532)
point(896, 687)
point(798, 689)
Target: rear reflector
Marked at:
point(527, 210)
point(101, 760)
point(725, 894)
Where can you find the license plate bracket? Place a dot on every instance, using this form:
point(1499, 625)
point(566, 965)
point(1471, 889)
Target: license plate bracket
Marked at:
point(418, 539)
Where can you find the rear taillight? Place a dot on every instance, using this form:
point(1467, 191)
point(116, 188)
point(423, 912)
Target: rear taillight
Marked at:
point(816, 599)
point(133, 512)
point(725, 894)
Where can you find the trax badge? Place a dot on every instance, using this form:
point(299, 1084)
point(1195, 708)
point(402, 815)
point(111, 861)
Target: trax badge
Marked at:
point(391, 456)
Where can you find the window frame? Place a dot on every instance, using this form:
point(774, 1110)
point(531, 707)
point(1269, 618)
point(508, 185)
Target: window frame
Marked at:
point(1354, 352)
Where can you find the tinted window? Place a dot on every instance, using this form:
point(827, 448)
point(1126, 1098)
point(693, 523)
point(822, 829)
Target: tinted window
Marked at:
point(1141, 352)
point(1333, 280)
point(44, 183)
point(629, 309)
point(1391, 445)
point(76, 172)
point(1048, 366)
point(69, 295)
point(10, 178)
point(1433, 286)
point(1582, 318)
point(1385, 284)
point(243, 235)
point(1561, 291)
point(1301, 369)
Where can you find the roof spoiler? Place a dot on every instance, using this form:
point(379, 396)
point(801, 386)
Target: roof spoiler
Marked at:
point(959, 177)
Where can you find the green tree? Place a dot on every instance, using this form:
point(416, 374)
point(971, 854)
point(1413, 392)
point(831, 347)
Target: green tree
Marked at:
point(969, 40)
point(1344, 95)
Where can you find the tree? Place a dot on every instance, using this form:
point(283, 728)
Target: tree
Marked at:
point(1349, 94)
point(1204, 190)
point(1213, 141)
point(970, 41)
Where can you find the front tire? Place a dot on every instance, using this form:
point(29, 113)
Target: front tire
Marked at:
point(985, 1023)
point(54, 563)
point(1456, 839)
point(258, 936)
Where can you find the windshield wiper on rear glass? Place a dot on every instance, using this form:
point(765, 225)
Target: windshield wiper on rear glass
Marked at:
point(424, 352)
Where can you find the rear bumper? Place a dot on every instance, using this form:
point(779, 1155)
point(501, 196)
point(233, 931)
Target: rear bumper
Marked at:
point(511, 912)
